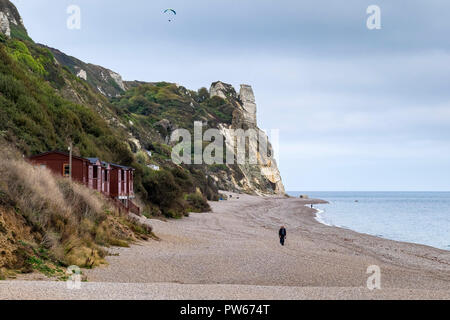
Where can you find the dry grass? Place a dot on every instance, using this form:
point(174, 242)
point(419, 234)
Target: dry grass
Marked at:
point(71, 222)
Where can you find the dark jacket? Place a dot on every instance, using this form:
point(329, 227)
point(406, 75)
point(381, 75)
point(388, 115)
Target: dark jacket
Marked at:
point(282, 232)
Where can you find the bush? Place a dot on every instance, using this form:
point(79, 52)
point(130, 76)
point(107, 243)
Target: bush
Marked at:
point(162, 190)
point(39, 119)
point(202, 95)
point(197, 203)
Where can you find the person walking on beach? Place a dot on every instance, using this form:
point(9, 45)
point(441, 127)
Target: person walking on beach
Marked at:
point(282, 234)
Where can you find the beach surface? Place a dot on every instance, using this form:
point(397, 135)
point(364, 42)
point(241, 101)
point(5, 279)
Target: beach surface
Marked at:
point(234, 253)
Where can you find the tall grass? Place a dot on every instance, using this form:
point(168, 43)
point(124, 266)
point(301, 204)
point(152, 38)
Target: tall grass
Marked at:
point(73, 223)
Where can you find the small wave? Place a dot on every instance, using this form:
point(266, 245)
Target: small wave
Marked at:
point(321, 219)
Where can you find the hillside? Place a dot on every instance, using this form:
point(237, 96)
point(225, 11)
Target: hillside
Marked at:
point(48, 223)
point(160, 108)
point(11, 23)
point(50, 99)
point(152, 111)
point(105, 81)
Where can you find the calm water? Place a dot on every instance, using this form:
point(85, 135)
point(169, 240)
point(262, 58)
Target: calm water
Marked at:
point(419, 217)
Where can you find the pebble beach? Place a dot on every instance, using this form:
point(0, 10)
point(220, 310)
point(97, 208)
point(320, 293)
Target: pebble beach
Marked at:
point(234, 252)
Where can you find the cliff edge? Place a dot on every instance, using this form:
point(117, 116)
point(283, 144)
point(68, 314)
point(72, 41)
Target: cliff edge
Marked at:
point(263, 177)
point(11, 23)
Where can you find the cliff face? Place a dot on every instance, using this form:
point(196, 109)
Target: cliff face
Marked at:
point(115, 119)
point(11, 23)
point(45, 105)
point(247, 99)
point(103, 80)
point(263, 177)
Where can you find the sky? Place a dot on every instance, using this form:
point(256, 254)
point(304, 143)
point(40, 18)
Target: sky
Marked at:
point(357, 109)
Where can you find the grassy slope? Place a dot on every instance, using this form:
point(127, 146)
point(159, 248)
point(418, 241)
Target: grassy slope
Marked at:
point(36, 118)
point(146, 104)
point(149, 103)
point(44, 106)
point(48, 223)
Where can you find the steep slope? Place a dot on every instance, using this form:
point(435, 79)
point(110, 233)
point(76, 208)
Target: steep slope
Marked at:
point(36, 115)
point(105, 81)
point(11, 23)
point(48, 223)
point(163, 107)
point(151, 111)
point(49, 98)
point(261, 177)
point(44, 106)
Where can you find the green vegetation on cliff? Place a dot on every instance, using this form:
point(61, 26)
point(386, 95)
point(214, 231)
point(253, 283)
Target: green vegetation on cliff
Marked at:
point(44, 107)
point(162, 100)
point(36, 118)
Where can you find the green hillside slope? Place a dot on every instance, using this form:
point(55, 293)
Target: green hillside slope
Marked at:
point(44, 106)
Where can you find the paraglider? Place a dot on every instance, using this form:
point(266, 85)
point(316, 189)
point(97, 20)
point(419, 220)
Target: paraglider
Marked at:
point(170, 13)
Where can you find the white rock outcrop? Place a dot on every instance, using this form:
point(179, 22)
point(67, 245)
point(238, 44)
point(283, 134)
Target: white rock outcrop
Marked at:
point(4, 24)
point(269, 167)
point(247, 97)
point(9, 17)
point(118, 79)
point(218, 90)
point(264, 176)
point(82, 74)
point(221, 89)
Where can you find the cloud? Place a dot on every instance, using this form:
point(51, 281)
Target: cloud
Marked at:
point(409, 150)
point(372, 107)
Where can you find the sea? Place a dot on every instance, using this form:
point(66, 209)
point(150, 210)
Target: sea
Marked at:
point(417, 217)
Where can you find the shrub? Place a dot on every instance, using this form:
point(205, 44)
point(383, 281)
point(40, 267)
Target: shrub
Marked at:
point(20, 52)
point(162, 190)
point(197, 203)
point(39, 119)
point(202, 95)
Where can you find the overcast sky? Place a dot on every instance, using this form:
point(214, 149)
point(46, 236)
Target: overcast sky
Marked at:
point(357, 109)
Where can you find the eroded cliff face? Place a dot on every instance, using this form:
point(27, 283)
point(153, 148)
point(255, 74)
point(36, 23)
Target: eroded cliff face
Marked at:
point(247, 98)
point(10, 19)
point(106, 82)
point(4, 24)
point(148, 112)
point(263, 177)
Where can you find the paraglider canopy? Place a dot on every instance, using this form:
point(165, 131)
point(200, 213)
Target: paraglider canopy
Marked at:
point(170, 13)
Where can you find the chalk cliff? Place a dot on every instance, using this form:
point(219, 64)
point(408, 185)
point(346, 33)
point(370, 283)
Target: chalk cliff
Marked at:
point(10, 20)
point(263, 177)
point(131, 118)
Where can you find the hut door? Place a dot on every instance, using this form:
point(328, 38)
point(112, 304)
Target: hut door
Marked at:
point(91, 177)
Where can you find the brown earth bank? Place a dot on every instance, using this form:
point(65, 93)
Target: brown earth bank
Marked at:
point(234, 253)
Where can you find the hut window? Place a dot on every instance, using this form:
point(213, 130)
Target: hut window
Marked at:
point(123, 174)
point(105, 175)
point(95, 172)
point(66, 170)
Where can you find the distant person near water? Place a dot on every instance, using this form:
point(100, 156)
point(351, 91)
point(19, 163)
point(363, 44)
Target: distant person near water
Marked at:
point(282, 234)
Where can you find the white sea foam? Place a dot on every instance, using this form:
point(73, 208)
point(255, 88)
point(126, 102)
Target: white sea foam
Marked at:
point(320, 218)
